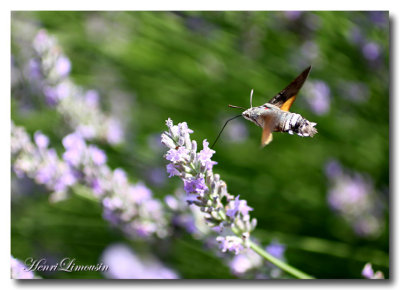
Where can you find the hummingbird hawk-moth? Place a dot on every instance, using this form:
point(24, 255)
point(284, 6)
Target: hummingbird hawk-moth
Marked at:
point(274, 116)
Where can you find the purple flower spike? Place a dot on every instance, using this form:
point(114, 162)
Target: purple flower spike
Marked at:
point(276, 249)
point(238, 206)
point(48, 73)
point(98, 156)
point(369, 273)
point(353, 197)
point(223, 213)
point(41, 140)
point(130, 207)
point(172, 170)
point(20, 271)
point(63, 66)
point(371, 51)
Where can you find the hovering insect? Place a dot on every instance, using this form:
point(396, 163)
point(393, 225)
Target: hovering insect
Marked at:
point(274, 116)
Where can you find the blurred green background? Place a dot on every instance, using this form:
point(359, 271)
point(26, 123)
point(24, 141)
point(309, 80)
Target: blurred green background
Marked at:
point(148, 66)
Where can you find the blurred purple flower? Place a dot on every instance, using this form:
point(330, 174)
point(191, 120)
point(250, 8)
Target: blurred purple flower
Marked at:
point(157, 176)
point(230, 243)
point(115, 133)
point(97, 188)
point(236, 131)
point(172, 202)
point(124, 263)
point(371, 50)
point(140, 193)
point(41, 140)
point(310, 50)
point(98, 156)
point(354, 91)
point(242, 263)
point(51, 95)
point(119, 177)
point(73, 141)
point(333, 169)
point(19, 270)
point(42, 41)
point(73, 156)
point(63, 66)
point(65, 180)
point(276, 249)
point(50, 78)
point(129, 207)
point(318, 97)
point(92, 98)
point(292, 15)
point(45, 174)
point(63, 90)
point(113, 203)
point(354, 198)
point(34, 71)
point(381, 18)
point(86, 131)
point(355, 35)
point(369, 273)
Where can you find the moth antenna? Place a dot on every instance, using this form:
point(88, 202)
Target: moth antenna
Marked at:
point(237, 107)
point(220, 132)
point(251, 98)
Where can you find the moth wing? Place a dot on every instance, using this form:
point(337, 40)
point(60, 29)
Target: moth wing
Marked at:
point(267, 131)
point(287, 96)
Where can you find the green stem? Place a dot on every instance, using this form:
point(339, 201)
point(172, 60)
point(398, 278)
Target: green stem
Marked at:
point(285, 267)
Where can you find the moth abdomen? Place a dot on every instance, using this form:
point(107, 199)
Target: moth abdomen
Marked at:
point(293, 123)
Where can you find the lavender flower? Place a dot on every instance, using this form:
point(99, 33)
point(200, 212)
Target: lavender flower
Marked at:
point(369, 273)
point(206, 190)
point(355, 91)
point(19, 270)
point(354, 198)
point(48, 76)
point(124, 263)
point(251, 265)
point(318, 96)
point(380, 18)
point(39, 162)
point(189, 217)
point(292, 15)
point(371, 51)
point(310, 51)
point(276, 249)
point(245, 262)
point(237, 132)
point(130, 207)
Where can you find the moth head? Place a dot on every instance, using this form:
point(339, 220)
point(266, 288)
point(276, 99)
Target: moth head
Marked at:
point(248, 114)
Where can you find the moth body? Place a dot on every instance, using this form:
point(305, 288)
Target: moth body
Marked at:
point(280, 121)
point(274, 116)
point(293, 123)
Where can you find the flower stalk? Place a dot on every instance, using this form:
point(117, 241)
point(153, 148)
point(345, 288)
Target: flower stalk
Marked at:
point(284, 266)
